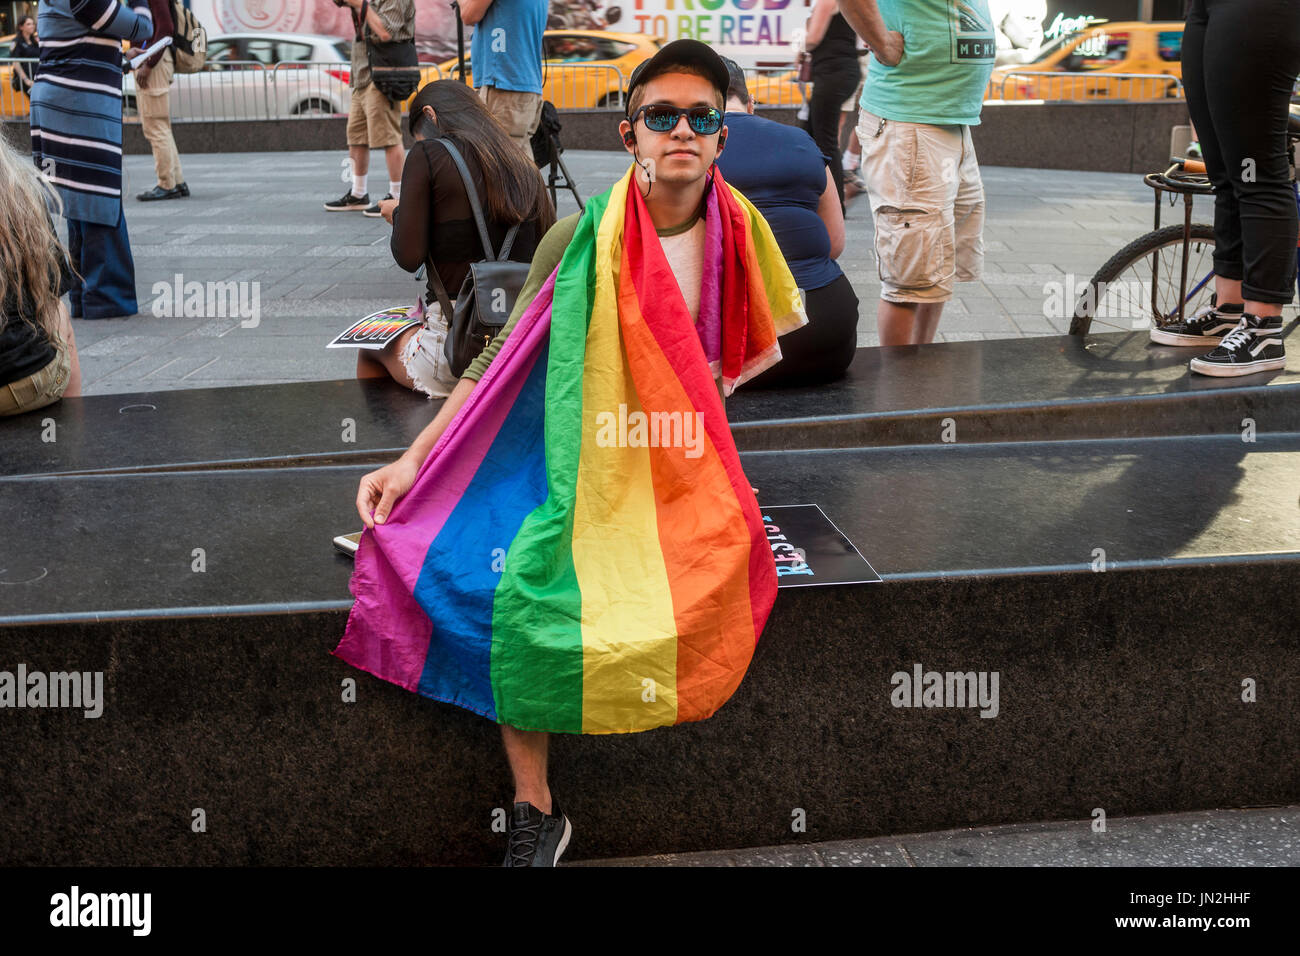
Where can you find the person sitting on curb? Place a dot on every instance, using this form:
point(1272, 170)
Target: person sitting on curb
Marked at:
point(38, 351)
point(785, 174)
point(434, 224)
point(657, 300)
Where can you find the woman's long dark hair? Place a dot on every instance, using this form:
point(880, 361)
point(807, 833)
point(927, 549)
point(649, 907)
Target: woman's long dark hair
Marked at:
point(516, 191)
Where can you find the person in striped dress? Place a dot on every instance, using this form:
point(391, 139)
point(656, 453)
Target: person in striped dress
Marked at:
point(77, 141)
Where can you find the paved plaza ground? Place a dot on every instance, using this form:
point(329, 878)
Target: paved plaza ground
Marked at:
point(1256, 837)
point(258, 218)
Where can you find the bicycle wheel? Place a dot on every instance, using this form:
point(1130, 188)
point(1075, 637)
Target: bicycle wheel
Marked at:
point(1138, 286)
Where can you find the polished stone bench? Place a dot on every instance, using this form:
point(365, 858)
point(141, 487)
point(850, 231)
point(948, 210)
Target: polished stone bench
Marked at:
point(1050, 388)
point(1122, 587)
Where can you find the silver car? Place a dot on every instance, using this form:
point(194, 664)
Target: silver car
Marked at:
point(261, 76)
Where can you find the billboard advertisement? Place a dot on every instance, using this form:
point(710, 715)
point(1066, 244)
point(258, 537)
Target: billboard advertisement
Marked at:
point(435, 30)
point(750, 30)
point(753, 32)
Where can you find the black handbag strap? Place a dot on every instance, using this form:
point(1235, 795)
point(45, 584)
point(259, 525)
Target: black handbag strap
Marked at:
point(477, 206)
point(440, 291)
point(363, 29)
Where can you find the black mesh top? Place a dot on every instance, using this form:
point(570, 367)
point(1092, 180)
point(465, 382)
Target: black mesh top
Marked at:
point(434, 219)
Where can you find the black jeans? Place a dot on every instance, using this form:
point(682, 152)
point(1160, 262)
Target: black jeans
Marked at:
point(831, 88)
point(821, 351)
point(1240, 61)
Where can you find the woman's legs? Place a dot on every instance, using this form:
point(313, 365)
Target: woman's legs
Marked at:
point(829, 93)
point(387, 361)
point(1239, 79)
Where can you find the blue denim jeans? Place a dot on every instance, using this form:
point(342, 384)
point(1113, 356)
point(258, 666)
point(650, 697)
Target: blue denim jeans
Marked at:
point(101, 256)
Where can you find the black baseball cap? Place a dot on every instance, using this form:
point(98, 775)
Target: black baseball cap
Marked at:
point(680, 53)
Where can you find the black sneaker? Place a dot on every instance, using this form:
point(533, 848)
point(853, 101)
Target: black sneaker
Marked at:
point(183, 189)
point(1207, 327)
point(373, 212)
point(1255, 345)
point(536, 838)
point(348, 202)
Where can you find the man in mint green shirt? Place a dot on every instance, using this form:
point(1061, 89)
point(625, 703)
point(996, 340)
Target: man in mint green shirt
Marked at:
point(924, 90)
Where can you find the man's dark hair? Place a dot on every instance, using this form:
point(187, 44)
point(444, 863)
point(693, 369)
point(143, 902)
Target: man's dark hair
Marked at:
point(736, 86)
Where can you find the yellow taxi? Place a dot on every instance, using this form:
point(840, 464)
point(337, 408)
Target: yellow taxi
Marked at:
point(776, 89)
point(582, 69)
point(1093, 56)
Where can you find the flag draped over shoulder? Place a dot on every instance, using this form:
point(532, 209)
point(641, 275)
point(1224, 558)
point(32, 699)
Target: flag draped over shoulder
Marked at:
point(581, 551)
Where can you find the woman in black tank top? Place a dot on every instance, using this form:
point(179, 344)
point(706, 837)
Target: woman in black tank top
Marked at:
point(835, 75)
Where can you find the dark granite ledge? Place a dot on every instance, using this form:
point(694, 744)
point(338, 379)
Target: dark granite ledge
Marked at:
point(1016, 508)
point(1120, 691)
point(1056, 388)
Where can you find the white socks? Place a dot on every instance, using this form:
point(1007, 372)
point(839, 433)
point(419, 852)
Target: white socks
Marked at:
point(358, 185)
point(850, 160)
point(395, 189)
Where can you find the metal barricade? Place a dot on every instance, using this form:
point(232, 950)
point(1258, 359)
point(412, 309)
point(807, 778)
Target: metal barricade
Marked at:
point(298, 89)
point(582, 86)
point(303, 88)
point(13, 104)
point(1049, 86)
point(776, 86)
point(222, 90)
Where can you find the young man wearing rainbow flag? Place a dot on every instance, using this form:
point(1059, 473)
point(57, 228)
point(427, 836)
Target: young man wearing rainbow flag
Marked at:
point(619, 574)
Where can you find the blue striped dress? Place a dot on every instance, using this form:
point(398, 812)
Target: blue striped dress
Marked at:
point(77, 100)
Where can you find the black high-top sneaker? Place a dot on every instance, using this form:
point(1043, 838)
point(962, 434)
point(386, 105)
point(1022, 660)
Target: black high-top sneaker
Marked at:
point(1255, 345)
point(1207, 327)
point(536, 838)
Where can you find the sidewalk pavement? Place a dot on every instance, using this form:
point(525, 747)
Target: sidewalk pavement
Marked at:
point(1254, 837)
point(257, 218)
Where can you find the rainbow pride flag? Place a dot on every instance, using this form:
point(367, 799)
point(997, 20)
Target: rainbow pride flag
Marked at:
point(581, 551)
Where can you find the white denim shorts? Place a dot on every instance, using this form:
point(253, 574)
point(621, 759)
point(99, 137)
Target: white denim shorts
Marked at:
point(927, 203)
point(423, 358)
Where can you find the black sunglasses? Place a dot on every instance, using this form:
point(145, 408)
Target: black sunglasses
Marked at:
point(663, 118)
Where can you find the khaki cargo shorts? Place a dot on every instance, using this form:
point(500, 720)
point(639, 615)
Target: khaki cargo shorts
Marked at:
point(43, 387)
point(518, 111)
point(374, 120)
point(927, 202)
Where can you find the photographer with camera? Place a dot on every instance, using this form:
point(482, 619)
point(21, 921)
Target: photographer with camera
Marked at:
point(375, 118)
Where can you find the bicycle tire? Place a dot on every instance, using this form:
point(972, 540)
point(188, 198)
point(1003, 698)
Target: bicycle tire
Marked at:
point(1136, 250)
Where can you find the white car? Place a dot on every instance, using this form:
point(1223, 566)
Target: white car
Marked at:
point(262, 76)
